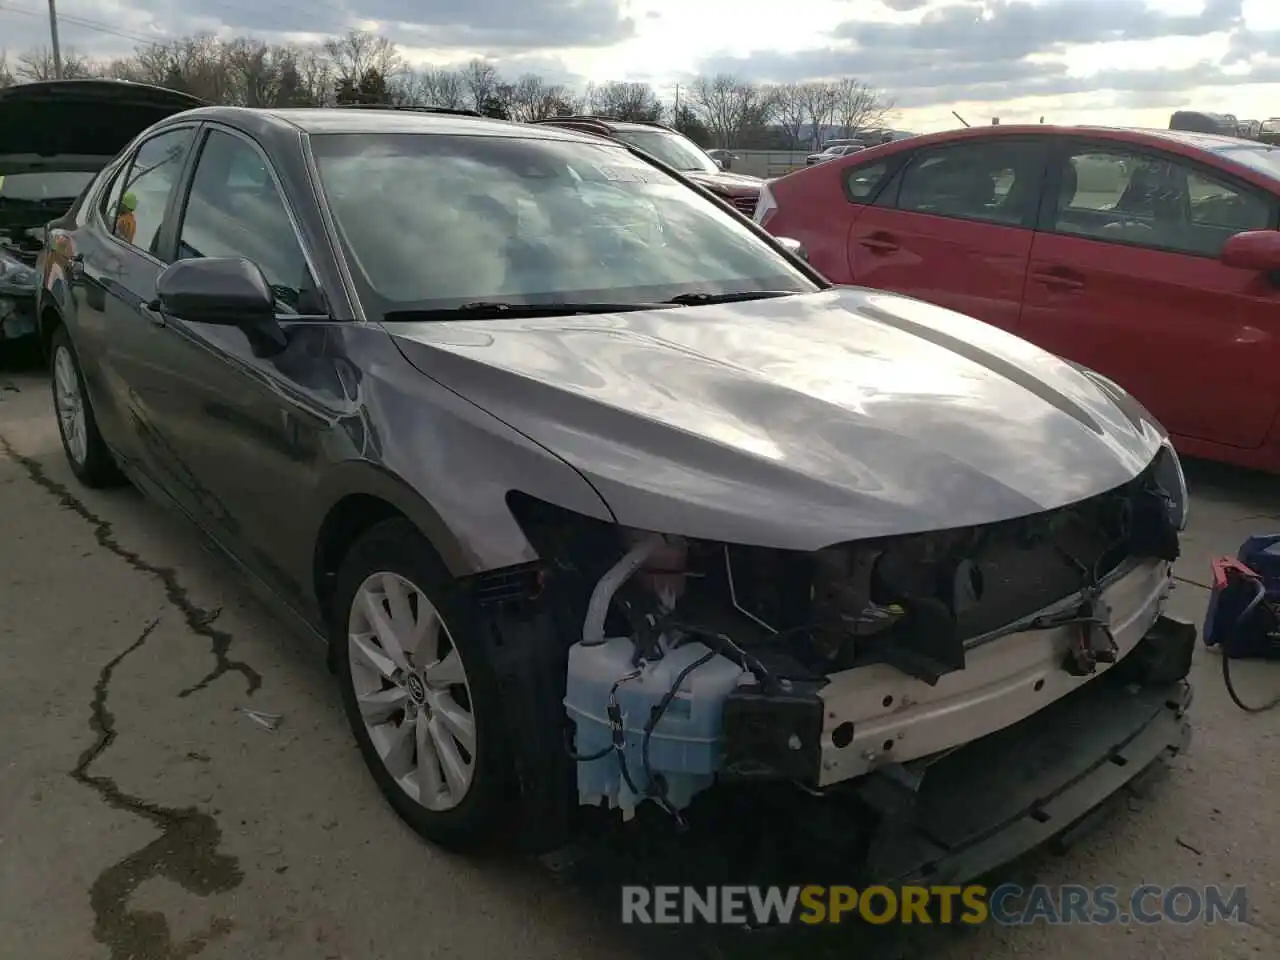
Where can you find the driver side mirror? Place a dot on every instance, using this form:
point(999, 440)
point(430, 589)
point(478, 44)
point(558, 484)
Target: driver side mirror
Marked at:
point(1257, 250)
point(226, 291)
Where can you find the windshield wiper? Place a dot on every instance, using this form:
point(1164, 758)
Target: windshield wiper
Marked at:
point(493, 309)
point(697, 298)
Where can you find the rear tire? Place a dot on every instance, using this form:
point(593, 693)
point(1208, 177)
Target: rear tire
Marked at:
point(87, 453)
point(426, 714)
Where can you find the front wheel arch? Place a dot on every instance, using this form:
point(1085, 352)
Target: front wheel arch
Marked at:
point(47, 323)
point(357, 495)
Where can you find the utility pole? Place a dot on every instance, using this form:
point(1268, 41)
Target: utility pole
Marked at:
point(53, 34)
point(677, 97)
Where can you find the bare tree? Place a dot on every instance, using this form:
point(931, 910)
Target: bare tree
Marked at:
point(149, 64)
point(792, 110)
point(198, 65)
point(820, 101)
point(531, 98)
point(480, 79)
point(38, 65)
point(859, 106)
point(729, 106)
point(433, 87)
point(365, 67)
point(624, 100)
point(315, 77)
point(360, 52)
point(257, 72)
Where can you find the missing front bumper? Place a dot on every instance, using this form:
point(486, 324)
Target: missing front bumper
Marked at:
point(875, 715)
point(984, 806)
point(791, 737)
point(954, 818)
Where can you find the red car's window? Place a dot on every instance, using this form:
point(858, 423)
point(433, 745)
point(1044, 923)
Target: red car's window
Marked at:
point(1126, 196)
point(862, 183)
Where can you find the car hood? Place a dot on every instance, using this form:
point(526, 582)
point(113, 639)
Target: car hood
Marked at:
point(801, 421)
point(78, 124)
point(736, 184)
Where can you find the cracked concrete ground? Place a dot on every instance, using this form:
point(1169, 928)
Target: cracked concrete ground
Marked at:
point(143, 817)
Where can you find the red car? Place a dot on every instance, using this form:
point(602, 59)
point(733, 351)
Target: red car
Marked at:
point(1151, 256)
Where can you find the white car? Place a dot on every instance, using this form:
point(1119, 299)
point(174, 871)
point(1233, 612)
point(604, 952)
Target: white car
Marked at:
point(831, 153)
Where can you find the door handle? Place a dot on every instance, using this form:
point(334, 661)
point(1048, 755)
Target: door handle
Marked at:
point(880, 242)
point(1059, 281)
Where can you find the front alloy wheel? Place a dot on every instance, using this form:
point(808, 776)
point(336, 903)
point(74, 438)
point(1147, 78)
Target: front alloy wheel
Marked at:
point(419, 691)
point(411, 686)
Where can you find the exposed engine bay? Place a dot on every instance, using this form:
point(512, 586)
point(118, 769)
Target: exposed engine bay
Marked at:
point(21, 242)
point(700, 661)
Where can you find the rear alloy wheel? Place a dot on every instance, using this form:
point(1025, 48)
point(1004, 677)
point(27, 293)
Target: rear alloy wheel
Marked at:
point(87, 453)
point(419, 692)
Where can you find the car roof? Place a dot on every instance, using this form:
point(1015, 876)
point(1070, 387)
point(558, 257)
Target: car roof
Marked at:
point(321, 120)
point(1203, 141)
point(1184, 141)
point(633, 125)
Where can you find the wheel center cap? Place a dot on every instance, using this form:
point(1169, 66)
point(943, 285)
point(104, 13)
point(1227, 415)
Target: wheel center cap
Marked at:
point(417, 689)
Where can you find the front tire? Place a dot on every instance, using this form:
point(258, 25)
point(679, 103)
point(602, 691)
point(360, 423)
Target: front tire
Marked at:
point(87, 453)
point(418, 690)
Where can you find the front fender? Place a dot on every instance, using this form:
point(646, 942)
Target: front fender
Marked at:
point(52, 296)
point(364, 478)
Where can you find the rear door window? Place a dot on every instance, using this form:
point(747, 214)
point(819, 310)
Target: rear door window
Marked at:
point(995, 181)
point(144, 201)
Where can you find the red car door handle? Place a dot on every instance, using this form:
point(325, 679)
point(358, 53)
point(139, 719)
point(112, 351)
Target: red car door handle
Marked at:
point(881, 243)
point(1059, 281)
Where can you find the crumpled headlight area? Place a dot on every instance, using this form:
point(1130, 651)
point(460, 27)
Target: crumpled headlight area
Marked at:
point(15, 275)
point(1166, 471)
point(671, 580)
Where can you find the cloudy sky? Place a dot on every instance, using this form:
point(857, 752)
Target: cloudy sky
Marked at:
point(1108, 61)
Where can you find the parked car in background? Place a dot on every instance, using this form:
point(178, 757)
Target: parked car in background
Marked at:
point(875, 136)
point(724, 158)
point(1269, 131)
point(839, 150)
point(1152, 257)
point(54, 137)
point(675, 150)
point(1198, 121)
point(596, 498)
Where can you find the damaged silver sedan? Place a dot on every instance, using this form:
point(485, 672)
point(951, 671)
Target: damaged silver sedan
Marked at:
point(603, 500)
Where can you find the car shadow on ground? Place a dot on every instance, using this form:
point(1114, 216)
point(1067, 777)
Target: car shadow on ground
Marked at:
point(20, 356)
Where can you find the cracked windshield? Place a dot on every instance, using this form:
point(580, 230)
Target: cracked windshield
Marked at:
point(639, 480)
